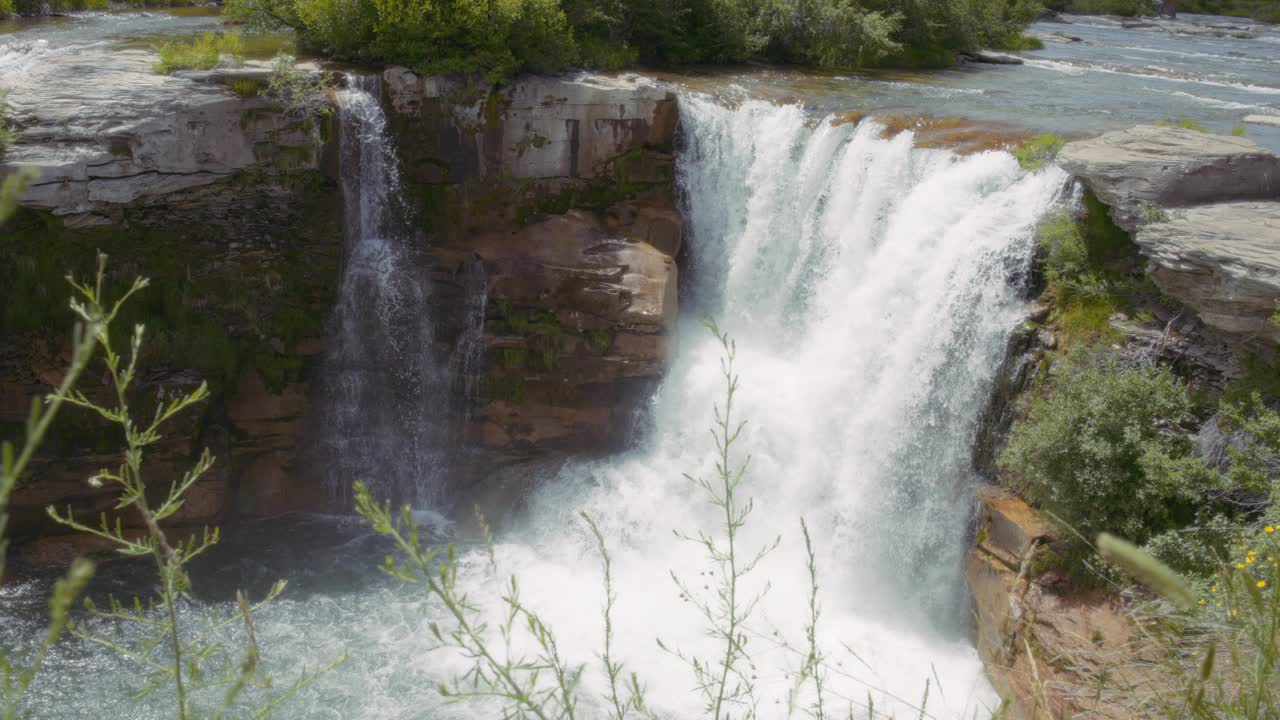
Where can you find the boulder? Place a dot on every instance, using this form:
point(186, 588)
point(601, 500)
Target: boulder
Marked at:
point(1135, 169)
point(1204, 210)
point(1223, 260)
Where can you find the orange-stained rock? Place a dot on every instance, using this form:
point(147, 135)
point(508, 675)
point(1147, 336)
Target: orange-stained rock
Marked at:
point(1044, 644)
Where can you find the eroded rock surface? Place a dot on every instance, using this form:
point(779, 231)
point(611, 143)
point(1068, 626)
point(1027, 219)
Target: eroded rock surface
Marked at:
point(1222, 259)
point(560, 193)
point(1145, 167)
point(1044, 646)
point(1204, 210)
point(220, 198)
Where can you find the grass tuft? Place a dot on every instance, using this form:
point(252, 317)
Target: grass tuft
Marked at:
point(204, 52)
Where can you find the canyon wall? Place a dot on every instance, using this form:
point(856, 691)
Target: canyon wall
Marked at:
point(546, 215)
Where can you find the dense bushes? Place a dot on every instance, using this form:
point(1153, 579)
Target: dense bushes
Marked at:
point(502, 37)
point(203, 52)
point(1095, 450)
point(1106, 443)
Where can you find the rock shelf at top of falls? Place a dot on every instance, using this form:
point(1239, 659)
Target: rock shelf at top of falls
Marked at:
point(1204, 209)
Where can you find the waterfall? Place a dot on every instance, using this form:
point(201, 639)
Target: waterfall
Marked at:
point(467, 364)
point(871, 287)
point(379, 415)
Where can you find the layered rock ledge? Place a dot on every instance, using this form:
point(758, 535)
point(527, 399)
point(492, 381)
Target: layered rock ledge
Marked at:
point(544, 212)
point(1203, 210)
point(560, 192)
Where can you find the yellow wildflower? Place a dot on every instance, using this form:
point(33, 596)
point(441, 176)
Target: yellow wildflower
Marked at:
point(1262, 583)
point(1270, 529)
point(1249, 559)
point(1234, 612)
point(1201, 601)
point(1239, 566)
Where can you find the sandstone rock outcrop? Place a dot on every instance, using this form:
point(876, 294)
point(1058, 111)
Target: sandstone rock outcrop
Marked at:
point(1204, 210)
point(560, 192)
point(1223, 260)
point(1149, 166)
point(1044, 649)
point(546, 205)
point(221, 199)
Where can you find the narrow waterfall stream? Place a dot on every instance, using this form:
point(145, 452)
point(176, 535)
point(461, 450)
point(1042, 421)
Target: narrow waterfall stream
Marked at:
point(380, 420)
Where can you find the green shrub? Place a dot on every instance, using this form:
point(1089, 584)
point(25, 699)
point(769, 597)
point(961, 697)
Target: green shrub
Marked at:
point(1153, 213)
point(246, 88)
point(39, 7)
point(1197, 549)
point(1075, 255)
point(1085, 448)
point(304, 95)
point(204, 52)
point(1239, 131)
point(1264, 10)
point(1038, 151)
point(1021, 42)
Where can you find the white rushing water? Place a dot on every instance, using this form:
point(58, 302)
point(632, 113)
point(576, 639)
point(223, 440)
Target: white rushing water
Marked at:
point(870, 287)
point(380, 418)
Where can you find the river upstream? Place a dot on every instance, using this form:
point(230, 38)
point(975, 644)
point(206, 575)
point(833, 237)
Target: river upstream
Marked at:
point(866, 343)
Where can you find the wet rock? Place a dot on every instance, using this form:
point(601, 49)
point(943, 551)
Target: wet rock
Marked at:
point(1016, 374)
point(1136, 170)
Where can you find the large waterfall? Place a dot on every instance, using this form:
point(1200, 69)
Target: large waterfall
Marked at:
point(380, 418)
point(871, 288)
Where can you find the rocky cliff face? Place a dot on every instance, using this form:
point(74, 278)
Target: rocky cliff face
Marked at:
point(558, 193)
point(219, 197)
point(545, 210)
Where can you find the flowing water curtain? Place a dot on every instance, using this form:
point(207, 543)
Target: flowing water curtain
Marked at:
point(871, 287)
point(381, 381)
